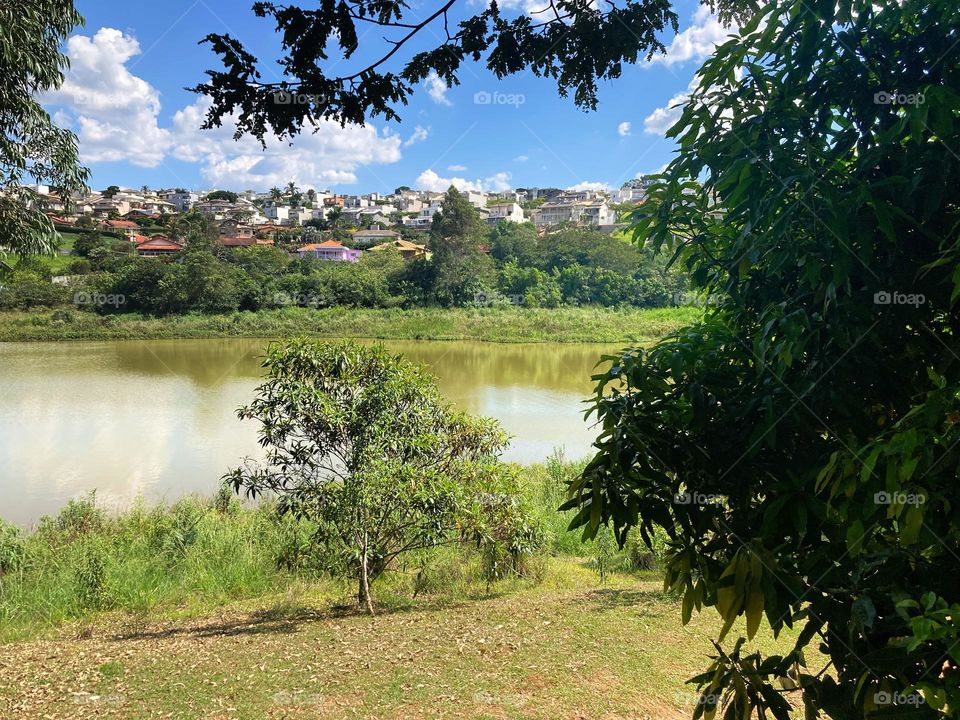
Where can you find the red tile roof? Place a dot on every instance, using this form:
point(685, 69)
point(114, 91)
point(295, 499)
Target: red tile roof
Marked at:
point(324, 244)
point(158, 242)
point(124, 224)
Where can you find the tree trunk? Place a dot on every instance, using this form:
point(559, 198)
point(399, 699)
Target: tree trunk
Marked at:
point(363, 594)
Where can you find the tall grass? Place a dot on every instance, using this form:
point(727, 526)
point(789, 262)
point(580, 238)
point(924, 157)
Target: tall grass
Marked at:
point(198, 554)
point(508, 324)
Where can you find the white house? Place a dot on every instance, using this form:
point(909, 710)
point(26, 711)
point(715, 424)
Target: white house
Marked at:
point(509, 211)
point(579, 212)
point(182, 201)
point(280, 214)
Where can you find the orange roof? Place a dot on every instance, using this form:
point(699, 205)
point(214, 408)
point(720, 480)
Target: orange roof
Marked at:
point(400, 244)
point(324, 244)
point(126, 224)
point(158, 242)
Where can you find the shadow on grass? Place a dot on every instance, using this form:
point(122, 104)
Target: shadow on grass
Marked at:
point(651, 602)
point(276, 620)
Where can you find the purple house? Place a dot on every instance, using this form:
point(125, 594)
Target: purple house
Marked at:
point(329, 250)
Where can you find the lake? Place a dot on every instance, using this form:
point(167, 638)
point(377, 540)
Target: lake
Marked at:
point(157, 418)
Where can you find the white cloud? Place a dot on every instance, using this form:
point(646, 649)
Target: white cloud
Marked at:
point(419, 133)
point(456, 168)
point(327, 157)
point(660, 120)
point(521, 158)
point(697, 41)
point(113, 112)
point(594, 186)
point(115, 116)
point(429, 180)
point(623, 129)
point(437, 88)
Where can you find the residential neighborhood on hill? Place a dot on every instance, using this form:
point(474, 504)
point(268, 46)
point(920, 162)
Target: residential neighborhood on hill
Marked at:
point(372, 220)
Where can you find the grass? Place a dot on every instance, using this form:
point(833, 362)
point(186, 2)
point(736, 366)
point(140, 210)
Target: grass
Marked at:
point(196, 555)
point(569, 647)
point(58, 263)
point(487, 324)
point(208, 609)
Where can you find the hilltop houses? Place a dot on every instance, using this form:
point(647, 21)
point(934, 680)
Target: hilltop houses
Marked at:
point(580, 208)
point(329, 250)
point(377, 222)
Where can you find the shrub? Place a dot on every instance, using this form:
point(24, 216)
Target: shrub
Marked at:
point(11, 548)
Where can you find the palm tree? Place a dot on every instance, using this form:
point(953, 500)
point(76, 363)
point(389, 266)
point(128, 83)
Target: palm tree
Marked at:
point(276, 193)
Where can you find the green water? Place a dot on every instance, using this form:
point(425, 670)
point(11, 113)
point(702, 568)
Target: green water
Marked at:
point(157, 418)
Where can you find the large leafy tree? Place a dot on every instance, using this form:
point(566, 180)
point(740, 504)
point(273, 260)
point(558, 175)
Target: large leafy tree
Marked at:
point(32, 148)
point(348, 60)
point(461, 269)
point(801, 444)
point(361, 442)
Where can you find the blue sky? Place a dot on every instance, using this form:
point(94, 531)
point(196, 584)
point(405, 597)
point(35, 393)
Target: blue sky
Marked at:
point(125, 97)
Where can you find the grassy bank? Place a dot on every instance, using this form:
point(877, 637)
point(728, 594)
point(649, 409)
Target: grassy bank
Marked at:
point(209, 609)
point(486, 324)
point(198, 554)
point(569, 647)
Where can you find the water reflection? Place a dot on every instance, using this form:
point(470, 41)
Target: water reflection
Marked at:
point(157, 418)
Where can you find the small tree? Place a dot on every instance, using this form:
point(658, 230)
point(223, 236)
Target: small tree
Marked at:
point(361, 442)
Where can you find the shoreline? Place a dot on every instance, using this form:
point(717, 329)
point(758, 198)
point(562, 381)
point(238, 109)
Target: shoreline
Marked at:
point(494, 325)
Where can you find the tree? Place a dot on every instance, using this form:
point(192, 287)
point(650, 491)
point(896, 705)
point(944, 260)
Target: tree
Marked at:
point(32, 148)
point(461, 270)
point(223, 195)
point(515, 242)
point(575, 43)
point(362, 443)
point(111, 191)
point(276, 194)
point(799, 445)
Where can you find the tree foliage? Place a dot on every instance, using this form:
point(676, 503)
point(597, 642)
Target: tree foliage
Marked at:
point(575, 43)
point(32, 148)
point(361, 442)
point(461, 270)
point(800, 444)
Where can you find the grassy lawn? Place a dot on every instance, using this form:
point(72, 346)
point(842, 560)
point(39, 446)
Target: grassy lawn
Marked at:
point(566, 648)
point(490, 324)
point(57, 263)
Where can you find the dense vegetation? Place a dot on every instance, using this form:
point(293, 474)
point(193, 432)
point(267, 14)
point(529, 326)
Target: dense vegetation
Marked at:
point(572, 266)
point(800, 444)
point(200, 553)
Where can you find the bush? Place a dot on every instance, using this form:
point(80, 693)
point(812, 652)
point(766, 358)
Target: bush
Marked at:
point(90, 577)
point(79, 517)
point(11, 548)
